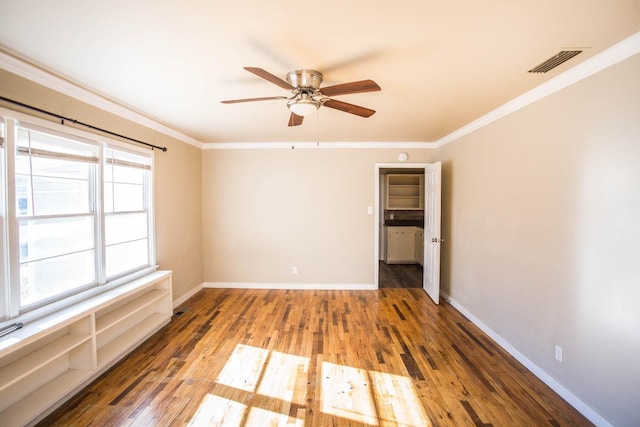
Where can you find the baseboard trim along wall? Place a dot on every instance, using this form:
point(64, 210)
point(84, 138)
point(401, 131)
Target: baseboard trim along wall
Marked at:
point(578, 404)
point(187, 295)
point(295, 286)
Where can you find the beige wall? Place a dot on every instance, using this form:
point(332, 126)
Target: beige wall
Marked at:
point(177, 179)
point(542, 214)
point(266, 211)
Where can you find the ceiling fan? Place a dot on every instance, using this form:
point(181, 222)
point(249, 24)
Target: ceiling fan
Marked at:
point(307, 96)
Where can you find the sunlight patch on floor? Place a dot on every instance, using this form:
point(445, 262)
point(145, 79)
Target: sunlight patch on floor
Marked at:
point(218, 411)
point(276, 381)
point(262, 418)
point(397, 400)
point(346, 393)
point(370, 397)
point(244, 368)
point(285, 378)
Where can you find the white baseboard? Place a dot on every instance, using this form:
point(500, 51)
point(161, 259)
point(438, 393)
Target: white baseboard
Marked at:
point(297, 286)
point(445, 296)
point(578, 404)
point(187, 295)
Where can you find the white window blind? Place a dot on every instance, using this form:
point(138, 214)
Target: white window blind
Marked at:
point(55, 200)
point(79, 215)
point(126, 206)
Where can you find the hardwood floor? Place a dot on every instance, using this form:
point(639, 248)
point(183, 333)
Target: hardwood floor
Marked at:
point(388, 357)
point(399, 275)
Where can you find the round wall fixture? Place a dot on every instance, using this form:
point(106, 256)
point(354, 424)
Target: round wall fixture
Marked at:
point(403, 157)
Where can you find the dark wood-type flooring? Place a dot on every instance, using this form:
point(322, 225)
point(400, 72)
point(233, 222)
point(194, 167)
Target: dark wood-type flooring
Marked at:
point(388, 357)
point(399, 275)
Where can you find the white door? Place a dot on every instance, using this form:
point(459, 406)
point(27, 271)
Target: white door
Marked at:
point(432, 239)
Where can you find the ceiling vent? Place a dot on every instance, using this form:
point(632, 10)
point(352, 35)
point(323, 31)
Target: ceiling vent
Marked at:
point(554, 61)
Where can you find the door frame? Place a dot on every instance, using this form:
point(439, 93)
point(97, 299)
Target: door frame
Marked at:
point(376, 210)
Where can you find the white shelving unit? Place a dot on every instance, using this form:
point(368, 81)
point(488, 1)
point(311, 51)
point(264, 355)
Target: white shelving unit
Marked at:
point(114, 334)
point(405, 191)
point(50, 359)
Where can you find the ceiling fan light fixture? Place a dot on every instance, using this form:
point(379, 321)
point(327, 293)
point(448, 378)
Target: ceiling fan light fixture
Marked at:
point(303, 106)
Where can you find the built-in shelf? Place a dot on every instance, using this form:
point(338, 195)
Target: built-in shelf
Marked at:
point(405, 191)
point(33, 361)
point(42, 398)
point(128, 339)
point(120, 314)
point(48, 360)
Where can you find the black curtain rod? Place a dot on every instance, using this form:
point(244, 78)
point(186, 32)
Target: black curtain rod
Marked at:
point(74, 121)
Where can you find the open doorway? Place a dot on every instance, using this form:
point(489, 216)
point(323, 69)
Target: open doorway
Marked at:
point(407, 221)
point(401, 223)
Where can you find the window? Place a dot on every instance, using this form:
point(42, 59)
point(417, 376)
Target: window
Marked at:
point(126, 196)
point(79, 214)
point(55, 208)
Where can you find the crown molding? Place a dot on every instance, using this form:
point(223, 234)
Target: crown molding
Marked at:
point(608, 57)
point(314, 145)
point(38, 75)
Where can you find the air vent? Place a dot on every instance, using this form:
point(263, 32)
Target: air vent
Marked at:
point(554, 61)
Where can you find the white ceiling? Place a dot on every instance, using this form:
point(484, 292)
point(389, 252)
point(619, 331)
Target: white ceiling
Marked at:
point(440, 64)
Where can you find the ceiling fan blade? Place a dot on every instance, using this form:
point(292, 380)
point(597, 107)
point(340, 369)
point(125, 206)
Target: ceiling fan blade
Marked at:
point(353, 87)
point(268, 76)
point(267, 98)
point(349, 108)
point(295, 120)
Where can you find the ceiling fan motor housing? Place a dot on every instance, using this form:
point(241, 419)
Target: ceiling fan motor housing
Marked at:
point(305, 79)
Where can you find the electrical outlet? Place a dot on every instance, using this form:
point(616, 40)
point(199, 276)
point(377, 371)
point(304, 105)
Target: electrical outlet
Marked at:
point(558, 353)
point(294, 270)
